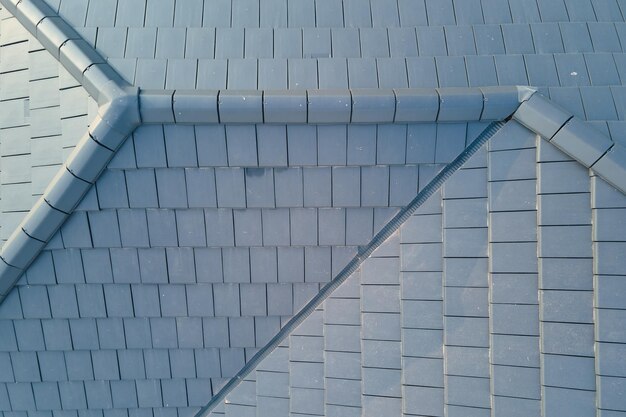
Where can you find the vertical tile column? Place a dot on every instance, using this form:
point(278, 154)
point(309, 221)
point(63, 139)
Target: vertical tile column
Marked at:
point(609, 249)
point(565, 284)
point(513, 303)
point(306, 367)
point(242, 402)
point(380, 335)
point(342, 349)
point(465, 286)
point(422, 307)
point(272, 386)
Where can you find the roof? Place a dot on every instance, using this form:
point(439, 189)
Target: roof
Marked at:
point(122, 109)
point(306, 74)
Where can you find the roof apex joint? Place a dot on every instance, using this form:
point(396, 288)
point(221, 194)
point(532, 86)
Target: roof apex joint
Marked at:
point(119, 107)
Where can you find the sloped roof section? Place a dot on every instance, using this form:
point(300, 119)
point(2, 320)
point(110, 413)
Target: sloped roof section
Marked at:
point(476, 317)
point(379, 260)
point(115, 120)
point(495, 270)
point(45, 111)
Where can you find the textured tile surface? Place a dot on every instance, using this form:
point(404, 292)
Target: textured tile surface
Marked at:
point(199, 242)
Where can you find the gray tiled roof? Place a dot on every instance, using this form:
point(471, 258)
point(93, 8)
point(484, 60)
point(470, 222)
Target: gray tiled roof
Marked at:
point(198, 243)
point(517, 330)
point(553, 45)
point(45, 112)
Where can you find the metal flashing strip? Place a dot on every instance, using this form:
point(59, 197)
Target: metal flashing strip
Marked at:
point(363, 253)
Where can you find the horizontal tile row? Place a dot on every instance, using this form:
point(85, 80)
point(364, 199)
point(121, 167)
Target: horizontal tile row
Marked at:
point(380, 42)
point(544, 70)
point(374, 186)
point(82, 335)
point(187, 265)
point(159, 228)
point(294, 145)
point(149, 300)
point(332, 13)
point(106, 395)
point(124, 364)
point(334, 106)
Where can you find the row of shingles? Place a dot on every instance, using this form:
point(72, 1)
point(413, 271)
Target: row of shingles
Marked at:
point(427, 41)
point(513, 303)
point(417, 72)
point(608, 214)
point(281, 146)
point(421, 285)
point(342, 350)
point(381, 334)
point(565, 284)
point(444, 71)
point(329, 13)
point(306, 366)
point(322, 188)
point(15, 157)
point(374, 186)
point(426, 254)
point(466, 289)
